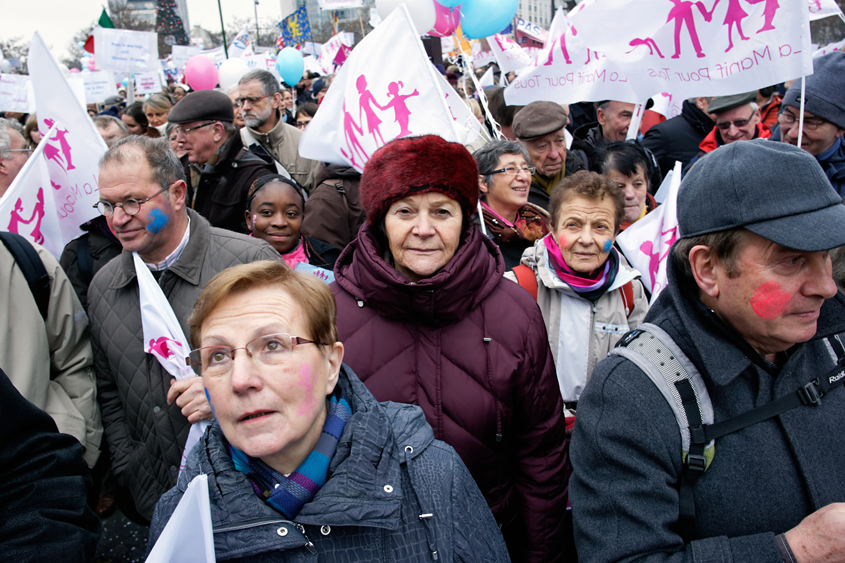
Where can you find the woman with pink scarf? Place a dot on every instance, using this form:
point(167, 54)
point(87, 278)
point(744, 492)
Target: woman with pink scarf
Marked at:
point(588, 293)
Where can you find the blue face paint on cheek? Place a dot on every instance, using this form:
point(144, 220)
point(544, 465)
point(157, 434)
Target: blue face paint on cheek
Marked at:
point(157, 219)
point(209, 402)
point(607, 245)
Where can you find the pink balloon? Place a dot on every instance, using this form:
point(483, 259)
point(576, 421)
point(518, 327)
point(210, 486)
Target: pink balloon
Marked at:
point(447, 20)
point(73, 70)
point(201, 73)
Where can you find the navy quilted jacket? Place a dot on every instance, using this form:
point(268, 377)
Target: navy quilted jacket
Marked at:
point(146, 436)
point(388, 471)
point(470, 348)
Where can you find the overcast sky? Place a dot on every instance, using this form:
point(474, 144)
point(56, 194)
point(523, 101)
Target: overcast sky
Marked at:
point(59, 20)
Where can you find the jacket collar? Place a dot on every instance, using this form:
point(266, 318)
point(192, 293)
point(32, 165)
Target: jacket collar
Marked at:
point(188, 266)
point(710, 342)
point(696, 118)
point(274, 136)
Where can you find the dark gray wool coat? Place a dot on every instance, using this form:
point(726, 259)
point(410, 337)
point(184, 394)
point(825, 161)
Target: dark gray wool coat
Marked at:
point(388, 471)
point(764, 479)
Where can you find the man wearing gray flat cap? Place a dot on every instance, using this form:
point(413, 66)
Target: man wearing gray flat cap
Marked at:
point(713, 432)
point(539, 128)
point(218, 167)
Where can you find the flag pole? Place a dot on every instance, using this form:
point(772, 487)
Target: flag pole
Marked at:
point(801, 112)
point(361, 21)
point(223, 29)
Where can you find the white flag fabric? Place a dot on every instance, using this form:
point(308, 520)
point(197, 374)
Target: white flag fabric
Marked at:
point(629, 50)
point(509, 55)
point(824, 9)
point(646, 243)
point(164, 339)
point(387, 88)
point(241, 45)
point(328, 52)
point(188, 536)
point(488, 79)
point(57, 189)
point(838, 46)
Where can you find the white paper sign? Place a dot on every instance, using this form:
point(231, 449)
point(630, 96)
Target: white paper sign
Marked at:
point(99, 86)
point(126, 51)
point(339, 4)
point(217, 55)
point(13, 93)
point(181, 54)
point(147, 83)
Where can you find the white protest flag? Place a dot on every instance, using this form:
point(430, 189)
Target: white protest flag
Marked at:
point(164, 339)
point(702, 48)
point(188, 536)
point(467, 125)
point(387, 88)
point(646, 243)
point(488, 79)
point(824, 9)
point(838, 46)
point(241, 45)
point(328, 52)
point(509, 55)
point(71, 151)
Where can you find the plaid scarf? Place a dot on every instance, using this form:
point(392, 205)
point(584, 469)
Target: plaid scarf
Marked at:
point(289, 494)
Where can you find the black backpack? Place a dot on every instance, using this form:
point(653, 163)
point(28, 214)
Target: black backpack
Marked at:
point(32, 267)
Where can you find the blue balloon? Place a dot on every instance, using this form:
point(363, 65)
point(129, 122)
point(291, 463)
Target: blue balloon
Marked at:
point(449, 3)
point(483, 18)
point(290, 65)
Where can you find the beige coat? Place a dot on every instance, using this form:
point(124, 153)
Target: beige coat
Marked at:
point(581, 333)
point(283, 143)
point(50, 362)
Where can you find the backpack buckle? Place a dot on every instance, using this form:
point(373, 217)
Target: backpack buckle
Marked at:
point(809, 395)
point(696, 463)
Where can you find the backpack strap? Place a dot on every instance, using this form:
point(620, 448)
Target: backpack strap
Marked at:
point(32, 268)
point(84, 259)
point(628, 298)
point(526, 279)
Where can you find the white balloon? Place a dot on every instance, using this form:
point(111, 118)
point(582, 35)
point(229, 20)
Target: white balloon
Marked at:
point(5, 66)
point(422, 12)
point(230, 71)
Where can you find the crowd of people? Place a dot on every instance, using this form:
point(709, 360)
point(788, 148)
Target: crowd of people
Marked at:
point(447, 356)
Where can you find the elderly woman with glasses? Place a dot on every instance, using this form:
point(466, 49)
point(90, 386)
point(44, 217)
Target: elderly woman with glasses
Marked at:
point(302, 461)
point(504, 180)
point(428, 319)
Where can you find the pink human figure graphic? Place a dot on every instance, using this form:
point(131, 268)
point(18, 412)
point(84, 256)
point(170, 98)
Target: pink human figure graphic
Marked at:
point(503, 46)
point(352, 142)
point(52, 153)
point(365, 99)
point(734, 17)
point(37, 216)
point(16, 217)
point(55, 185)
point(771, 9)
point(654, 258)
point(563, 49)
point(159, 345)
point(401, 113)
point(682, 14)
point(595, 56)
point(648, 42)
point(63, 143)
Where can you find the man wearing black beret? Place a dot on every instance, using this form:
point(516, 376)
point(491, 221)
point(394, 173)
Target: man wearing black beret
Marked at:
point(219, 168)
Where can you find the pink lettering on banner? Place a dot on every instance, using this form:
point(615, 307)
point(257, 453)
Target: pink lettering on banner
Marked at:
point(36, 217)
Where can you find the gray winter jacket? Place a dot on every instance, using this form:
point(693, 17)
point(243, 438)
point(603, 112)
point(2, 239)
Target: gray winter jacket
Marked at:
point(393, 493)
point(145, 434)
point(764, 479)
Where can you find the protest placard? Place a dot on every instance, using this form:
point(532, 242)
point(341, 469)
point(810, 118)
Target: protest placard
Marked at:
point(126, 51)
point(13, 93)
point(181, 54)
point(147, 83)
point(99, 85)
point(339, 4)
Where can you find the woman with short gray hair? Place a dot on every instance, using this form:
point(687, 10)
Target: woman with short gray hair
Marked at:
point(504, 180)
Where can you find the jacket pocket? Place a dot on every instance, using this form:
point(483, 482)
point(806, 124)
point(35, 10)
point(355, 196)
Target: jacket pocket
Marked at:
point(68, 419)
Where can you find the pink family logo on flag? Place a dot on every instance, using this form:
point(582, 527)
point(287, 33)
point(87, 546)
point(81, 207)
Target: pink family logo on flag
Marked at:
point(34, 220)
point(161, 346)
point(387, 88)
point(509, 55)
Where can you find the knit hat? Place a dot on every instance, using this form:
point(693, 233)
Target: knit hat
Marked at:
point(202, 105)
point(538, 119)
point(316, 86)
point(416, 165)
point(775, 190)
point(825, 95)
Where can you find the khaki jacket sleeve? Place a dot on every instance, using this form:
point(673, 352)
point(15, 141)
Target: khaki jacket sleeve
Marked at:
point(72, 395)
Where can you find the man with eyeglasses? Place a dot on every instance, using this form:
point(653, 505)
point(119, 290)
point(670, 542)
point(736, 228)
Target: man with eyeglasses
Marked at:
point(539, 127)
point(13, 152)
point(824, 116)
point(219, 168)
point(260, 99)
point(146, 413)
point(737, 118)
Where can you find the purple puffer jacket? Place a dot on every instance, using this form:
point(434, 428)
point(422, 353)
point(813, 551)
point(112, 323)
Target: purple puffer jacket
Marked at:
point(470, 348)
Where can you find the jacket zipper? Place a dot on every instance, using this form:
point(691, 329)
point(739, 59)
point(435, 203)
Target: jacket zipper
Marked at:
point(308, 545)
point(253, 524)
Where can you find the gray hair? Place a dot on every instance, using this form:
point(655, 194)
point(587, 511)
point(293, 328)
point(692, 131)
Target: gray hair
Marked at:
point(487, 157)
point(160, 157)
point(160, 102)
point(103, 122)
point(5, 139)
point(269, 84)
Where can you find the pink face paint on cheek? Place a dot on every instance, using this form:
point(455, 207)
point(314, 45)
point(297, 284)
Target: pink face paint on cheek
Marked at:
point(770, 300)
point(306, 381)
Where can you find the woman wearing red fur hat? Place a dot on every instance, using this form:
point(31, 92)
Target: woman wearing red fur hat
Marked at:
point(428, 319)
